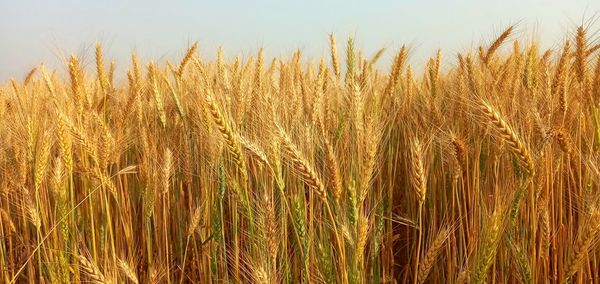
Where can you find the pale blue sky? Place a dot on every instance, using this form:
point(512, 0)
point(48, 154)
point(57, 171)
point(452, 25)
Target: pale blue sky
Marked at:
point(36, 31)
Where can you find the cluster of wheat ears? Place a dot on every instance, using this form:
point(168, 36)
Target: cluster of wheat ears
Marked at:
point(287, 172)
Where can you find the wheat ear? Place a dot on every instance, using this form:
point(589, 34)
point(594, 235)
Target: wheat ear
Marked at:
point(515, 143)
point(303, 168)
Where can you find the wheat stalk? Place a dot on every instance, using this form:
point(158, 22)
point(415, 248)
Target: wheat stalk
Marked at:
point(515, 143)
point(186, 59)
point(432, 253)
point(128, 271)
point(334, 56)
point(301, 165)
point(104, 82)
point(230, 138)
point(497, 43)
point(417, 171)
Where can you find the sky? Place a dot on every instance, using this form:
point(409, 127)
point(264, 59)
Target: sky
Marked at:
point(43, 31)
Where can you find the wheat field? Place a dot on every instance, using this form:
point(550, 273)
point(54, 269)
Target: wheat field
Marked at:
point(299, 170)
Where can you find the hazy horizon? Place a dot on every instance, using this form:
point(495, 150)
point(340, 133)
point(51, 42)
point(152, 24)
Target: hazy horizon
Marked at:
point(36, 31)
